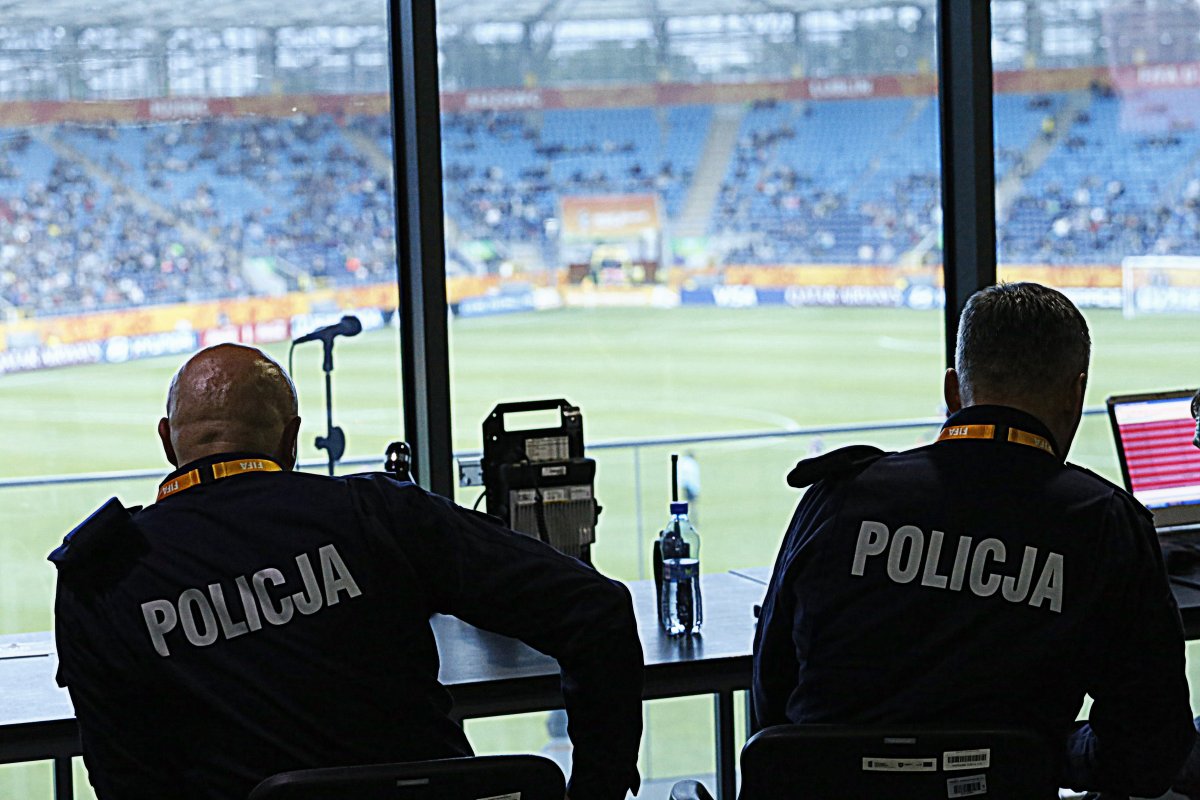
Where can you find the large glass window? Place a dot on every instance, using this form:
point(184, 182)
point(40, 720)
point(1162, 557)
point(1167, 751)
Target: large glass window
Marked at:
point(166, 183)
point(1098, 188)
point(692, 224)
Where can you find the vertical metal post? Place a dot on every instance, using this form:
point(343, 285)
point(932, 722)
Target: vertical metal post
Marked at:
point(639, 545)
point(647, 741)
point(64, 788)
point(332, 451)
point(421, 247)
point(964, 34)
point(726, 754)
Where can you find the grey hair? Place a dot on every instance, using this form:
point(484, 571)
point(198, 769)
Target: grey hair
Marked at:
point(1020, 339)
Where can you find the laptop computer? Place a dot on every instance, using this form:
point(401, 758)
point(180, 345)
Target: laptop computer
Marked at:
point(1159, 463)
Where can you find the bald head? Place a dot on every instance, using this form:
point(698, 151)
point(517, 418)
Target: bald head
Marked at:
point(230, 398)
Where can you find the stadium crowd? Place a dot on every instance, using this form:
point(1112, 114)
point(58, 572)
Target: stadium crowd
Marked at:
point(490, 196)
point(69, 244)
point(801, 214)
point(172, 212)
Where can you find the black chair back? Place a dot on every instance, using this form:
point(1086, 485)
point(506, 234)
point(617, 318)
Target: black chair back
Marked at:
point(527, 777)
point(858, 762)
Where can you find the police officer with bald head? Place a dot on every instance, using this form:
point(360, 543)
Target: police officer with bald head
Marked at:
point(981, 579)
point(254, 619)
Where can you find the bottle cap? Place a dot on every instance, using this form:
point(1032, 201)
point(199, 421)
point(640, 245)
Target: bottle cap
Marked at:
point(679, 508)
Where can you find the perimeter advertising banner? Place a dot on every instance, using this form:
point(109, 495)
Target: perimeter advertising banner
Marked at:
point(158, 330)
point(258, 313)
point(745, 286)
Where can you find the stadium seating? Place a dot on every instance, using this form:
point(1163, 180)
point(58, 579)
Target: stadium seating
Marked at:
point(836, 181)
point(72, 243)
point(176, 211)
point(1112, 186)
point(505, 173)
point(293, 188)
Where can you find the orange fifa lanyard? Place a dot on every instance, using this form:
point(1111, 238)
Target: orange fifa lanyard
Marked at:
point(215, 472)
point(1015, 435)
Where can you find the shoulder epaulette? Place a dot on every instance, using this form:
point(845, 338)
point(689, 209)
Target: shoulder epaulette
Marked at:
point(1121, 490)
point(108, 533)
point(834, 463)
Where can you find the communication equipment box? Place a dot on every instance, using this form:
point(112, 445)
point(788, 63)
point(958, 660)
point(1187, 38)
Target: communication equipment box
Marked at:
point(538, 480)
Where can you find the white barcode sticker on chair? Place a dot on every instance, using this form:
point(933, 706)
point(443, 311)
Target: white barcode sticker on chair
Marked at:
point(967, 786)
point(899, 764)
point(966, 759)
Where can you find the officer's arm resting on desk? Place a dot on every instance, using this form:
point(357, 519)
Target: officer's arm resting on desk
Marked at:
point(1140, 727)
point(511, 584)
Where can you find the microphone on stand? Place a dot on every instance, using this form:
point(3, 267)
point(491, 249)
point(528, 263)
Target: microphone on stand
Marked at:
point(348, 326)
point(334, 442)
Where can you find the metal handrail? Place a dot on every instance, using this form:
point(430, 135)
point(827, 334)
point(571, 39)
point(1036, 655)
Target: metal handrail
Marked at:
point(615, 444)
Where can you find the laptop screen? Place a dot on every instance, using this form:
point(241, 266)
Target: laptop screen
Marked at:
point(1160, 464)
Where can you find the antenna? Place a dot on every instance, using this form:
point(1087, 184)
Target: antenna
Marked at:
point(674, 477)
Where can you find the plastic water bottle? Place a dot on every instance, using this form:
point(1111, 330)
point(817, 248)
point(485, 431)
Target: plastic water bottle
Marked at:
point(680, 603)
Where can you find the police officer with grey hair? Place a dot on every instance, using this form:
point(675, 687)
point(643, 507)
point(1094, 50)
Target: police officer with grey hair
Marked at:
point(255, 619)
point(1188, 780)
point(1196, 416)
point(981, 579)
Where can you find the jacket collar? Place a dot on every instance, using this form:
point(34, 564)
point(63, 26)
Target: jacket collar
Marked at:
point(1003, 417)
point(216, 458)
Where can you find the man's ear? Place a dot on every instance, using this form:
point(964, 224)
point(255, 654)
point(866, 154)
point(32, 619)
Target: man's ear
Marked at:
point(1078, 390)
point(285, 452)
point(951, 392)
point(164, 436)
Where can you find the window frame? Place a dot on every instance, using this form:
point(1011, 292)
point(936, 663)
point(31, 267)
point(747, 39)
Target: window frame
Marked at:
point(968, 202)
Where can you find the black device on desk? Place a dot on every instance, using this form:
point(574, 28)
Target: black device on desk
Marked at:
point(538, 480)
point(1160, 465)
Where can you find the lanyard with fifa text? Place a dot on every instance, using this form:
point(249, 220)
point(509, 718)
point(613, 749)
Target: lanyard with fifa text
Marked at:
point(1003, 433)
point(215, 472)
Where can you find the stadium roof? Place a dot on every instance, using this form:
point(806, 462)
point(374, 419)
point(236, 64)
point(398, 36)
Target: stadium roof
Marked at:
point(462, 11)
point(173, 14)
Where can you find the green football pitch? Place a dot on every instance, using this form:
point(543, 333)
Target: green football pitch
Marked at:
point(635, 373)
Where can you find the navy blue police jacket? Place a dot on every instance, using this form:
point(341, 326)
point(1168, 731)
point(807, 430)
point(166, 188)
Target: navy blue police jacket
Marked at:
point(271, 620)
point(979, 579)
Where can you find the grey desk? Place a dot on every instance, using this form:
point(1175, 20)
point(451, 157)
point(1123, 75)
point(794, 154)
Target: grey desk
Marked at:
point(37, 721)
point(490, 675)
point(487, 675)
